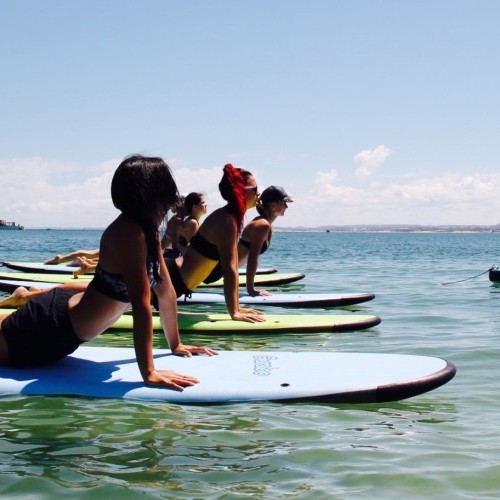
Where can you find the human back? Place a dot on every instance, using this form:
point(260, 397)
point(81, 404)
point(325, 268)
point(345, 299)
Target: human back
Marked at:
point(143, 189)
point(130, 266)
point(216, 239)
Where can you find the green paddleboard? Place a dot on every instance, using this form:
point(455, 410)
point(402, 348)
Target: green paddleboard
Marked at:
point(208, 323)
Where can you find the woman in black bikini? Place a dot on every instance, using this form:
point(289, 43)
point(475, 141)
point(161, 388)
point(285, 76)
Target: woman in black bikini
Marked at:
point(256, 236)
point(195, 207)
point(131, 264)
point(217, 242)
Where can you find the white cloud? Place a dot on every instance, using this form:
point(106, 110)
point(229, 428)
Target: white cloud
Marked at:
point(369, 160)
point(449, 198)
point(33, 194)
point(36, 193)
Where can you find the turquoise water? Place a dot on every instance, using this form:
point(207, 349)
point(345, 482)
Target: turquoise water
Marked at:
point(443, 444)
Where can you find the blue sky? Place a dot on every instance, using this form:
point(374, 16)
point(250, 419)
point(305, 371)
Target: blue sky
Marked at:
point(366, 111)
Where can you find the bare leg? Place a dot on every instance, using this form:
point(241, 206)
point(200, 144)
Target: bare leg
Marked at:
point(21, 295)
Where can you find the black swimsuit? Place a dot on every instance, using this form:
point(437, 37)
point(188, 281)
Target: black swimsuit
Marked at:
point(113, 286)
point(265, 245)
point(110, 284)
point(204, 247)
point(40, 331)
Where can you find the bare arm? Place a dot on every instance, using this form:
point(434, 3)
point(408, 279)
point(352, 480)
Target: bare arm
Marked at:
point(189, 229)
point(258, 236)
point(228, 254)
point(132, 258)
point(167, 305)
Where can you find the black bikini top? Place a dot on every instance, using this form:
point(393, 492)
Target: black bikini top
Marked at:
point(246, 244)
point(266, 243)
point(113, 286)
point(204, 247)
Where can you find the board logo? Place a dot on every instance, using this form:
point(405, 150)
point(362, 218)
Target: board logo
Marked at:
point(263, 365)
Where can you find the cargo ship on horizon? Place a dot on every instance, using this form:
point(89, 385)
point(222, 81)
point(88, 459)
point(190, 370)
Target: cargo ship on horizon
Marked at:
point(9, 225)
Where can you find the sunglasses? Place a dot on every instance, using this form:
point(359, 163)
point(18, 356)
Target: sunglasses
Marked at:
point(253, 189)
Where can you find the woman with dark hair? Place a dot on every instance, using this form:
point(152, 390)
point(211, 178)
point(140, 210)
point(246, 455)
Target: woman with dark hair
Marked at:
point(195, 207)
point(216, 241)
point(170, 239)
point(131, 264)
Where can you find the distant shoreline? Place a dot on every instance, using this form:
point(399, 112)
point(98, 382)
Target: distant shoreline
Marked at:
point(396, 228)
point(368, 228)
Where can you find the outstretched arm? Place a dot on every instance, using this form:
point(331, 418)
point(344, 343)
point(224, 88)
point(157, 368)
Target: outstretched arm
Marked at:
point(227, 246)
point(132, 261)
point(167, 306)
point(258, 237)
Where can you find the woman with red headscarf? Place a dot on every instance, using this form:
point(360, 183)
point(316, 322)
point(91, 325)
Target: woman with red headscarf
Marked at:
point(216, 241)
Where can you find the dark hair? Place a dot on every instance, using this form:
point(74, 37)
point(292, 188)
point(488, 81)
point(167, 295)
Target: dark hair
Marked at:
point(144, 189)
point(190, 201)
point(262, 209)
point(232, 189)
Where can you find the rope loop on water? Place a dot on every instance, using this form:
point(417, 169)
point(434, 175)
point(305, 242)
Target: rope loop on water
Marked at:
point(492, 268)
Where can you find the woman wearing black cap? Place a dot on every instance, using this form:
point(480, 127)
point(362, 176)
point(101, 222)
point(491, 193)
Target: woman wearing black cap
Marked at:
point(256, 236)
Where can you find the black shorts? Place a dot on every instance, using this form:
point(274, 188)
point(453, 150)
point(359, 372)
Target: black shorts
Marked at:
point(40, 332)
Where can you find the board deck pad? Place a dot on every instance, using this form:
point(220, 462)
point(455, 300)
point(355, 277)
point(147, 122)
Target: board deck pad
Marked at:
point(236, 376)
point(273, 279)
point(214, 323)
point(288, 299)
point(40, 267)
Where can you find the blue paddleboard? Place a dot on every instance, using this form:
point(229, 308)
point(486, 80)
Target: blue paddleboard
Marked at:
point(236, 376)
point(288, 299)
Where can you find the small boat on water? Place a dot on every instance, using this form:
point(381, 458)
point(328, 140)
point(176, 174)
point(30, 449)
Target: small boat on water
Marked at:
point(9, 225)
point(494, 274)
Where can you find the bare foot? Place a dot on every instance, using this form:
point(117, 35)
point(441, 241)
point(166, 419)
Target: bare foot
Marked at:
point(54, 260)
point(18, 298)
point(86, 266)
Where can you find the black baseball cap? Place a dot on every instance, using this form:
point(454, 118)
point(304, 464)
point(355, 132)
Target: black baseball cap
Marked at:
point(274, 193)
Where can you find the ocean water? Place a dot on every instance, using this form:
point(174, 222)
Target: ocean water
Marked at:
point(443, 444)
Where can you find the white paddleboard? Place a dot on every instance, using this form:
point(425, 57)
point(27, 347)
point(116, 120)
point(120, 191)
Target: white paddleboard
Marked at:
point(39, 267)
point(274, 279)
point(305, 300)
point(236, 376)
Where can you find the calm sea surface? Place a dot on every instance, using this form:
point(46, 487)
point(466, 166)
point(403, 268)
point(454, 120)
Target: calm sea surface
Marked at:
point(443, 444)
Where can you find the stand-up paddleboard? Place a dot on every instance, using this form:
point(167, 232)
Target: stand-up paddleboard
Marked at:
point(236, 376)
point(302, 300)
point(274, 279)
point(215, 323)
point(38, 267)
point(305, 300)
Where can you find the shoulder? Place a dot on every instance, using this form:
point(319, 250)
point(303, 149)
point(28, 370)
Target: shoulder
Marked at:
point(122, 241)
point(190, 223)
point(220, 218)
point(123, 230)
point(257, 226)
